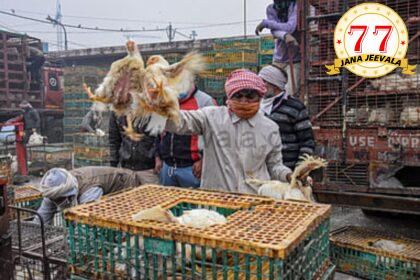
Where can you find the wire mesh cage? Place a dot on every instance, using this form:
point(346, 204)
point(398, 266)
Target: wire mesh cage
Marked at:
point(371, 102)
point(39, 251)
point(46, 156)
point(104, 242)
point(361, 252)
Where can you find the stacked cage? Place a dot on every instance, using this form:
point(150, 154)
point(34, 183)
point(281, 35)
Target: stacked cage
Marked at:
point(76, 102)
point(15, 83)
point(90, 150)
point(365, 127)
point(226, 56)
point(263, 238)
point(46, 156)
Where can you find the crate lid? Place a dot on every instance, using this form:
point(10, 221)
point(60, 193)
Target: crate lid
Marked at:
point(359, 238)
point(26, 193)
point(259, 226)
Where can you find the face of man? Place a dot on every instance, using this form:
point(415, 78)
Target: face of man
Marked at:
point(64, 202)
point(246, 96)
point(272, 90)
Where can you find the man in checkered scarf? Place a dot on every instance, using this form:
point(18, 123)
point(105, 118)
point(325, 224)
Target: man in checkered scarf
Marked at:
point(244, 90)
point(240, 142)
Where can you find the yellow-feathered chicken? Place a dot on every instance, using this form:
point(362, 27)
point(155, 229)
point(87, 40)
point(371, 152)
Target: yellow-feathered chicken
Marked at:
point(163, 83)
point(295, 190)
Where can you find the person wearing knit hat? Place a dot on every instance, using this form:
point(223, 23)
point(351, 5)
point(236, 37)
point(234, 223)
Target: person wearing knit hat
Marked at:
point(289, 113)
point(62, 189)
point(239, 141)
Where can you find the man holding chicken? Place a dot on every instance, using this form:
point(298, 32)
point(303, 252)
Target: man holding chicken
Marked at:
point(240, 142)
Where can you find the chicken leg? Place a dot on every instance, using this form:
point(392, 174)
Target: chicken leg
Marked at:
point(94, 97)
point(129, 130)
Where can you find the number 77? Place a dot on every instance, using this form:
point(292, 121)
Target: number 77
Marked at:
point(364, 28)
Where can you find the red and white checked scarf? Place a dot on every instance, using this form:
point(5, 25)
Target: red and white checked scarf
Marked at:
point(244, 79)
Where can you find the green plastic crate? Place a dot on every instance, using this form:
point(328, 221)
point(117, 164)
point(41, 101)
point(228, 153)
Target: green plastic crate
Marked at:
point(267, 44)
point(237, 65)
point(77, 104)
point(352, 253)
point(76, 113)
point(72, 121)
point(265, 59)
point(75, 95)
point(109, 253)
point(251, 44)
point(213, 85)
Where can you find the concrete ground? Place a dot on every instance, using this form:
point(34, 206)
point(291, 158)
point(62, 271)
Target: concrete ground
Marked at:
point(405, 225)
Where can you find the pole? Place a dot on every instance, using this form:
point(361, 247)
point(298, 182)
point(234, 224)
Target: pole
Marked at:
point(54, 21)
point(245, 19)
point(65, 35)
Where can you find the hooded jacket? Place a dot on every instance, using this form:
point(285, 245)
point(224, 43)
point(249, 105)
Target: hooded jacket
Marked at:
point(134, 155)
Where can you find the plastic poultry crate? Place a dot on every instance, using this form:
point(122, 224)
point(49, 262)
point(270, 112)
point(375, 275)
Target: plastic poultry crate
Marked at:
point(353, 252)
point(91, 152)
point(249, 44)
point(265, 59)
point(267, 44)
point(25, 197)
point(263, 238)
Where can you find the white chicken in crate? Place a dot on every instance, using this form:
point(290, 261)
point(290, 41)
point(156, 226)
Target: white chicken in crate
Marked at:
point(294, 190)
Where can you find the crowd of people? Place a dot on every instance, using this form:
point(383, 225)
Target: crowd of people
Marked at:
point(261, 132)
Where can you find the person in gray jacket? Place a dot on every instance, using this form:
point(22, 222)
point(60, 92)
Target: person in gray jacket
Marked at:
point(62, 189)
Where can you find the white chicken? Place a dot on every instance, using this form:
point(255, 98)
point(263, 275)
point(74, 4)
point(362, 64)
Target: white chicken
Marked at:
point(295, 190)
point(199, 218)
point(388, 245)
point(35, 139)
point(410, 116)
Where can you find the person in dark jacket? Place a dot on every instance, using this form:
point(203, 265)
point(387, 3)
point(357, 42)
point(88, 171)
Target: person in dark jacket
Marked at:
point(138, 156)
point(35, 60)
point(31, 119)
point(92, 121)
point(178, 157)
point(289, 113)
